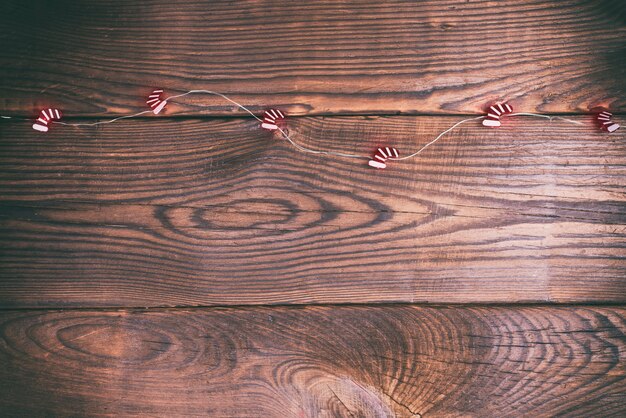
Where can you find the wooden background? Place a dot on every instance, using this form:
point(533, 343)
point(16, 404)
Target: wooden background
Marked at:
point(191, 264)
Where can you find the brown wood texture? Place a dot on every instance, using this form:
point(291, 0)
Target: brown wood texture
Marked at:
point(315, 362)
point(195, 209)
point(314, 57)
point(217, 212)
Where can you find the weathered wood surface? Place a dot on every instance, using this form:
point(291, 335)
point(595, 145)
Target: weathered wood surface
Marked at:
point(188, 212)
point(217, 212)
point(314, 57)
point(315, 362)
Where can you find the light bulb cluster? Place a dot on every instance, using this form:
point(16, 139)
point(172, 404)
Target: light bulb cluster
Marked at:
point(155, 101)
point(272, 119)
point(492, 119)
point(605, 119)
point(45, 117)
point(382, 154)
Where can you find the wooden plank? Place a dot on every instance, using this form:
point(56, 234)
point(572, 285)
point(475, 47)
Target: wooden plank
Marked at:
point(216, 212)
point(315, 362)
point(315, 57)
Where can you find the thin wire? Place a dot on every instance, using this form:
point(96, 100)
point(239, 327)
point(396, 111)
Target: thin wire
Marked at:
point(216, 94)
point(287, 137)
point(439, 137)
point(166, 99)
point(14, 117)
point(102, 122)
point(313, 151)
point(551, 118)
point(340, 154)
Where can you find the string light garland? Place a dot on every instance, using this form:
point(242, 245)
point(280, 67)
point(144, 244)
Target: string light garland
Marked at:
point(274, 120)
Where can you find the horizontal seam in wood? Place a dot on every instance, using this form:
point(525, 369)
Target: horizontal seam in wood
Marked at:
point(311, 115)
point(449, 305)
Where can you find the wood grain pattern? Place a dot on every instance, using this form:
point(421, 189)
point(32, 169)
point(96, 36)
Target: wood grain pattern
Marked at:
point(315, 57)
point(315, 362)
point(177, 212)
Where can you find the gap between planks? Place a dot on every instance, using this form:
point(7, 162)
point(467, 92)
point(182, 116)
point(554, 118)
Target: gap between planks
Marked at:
point(295, 306)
